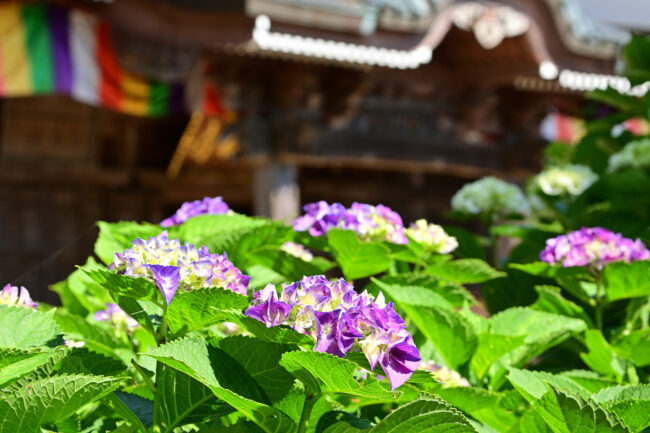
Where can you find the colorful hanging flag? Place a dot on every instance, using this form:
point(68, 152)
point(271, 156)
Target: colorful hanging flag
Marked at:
point(635, 125)
point(47, 49)
point(559, 127)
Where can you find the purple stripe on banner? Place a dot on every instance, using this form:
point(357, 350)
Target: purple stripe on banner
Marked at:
point(59, 30)
point(176, 99)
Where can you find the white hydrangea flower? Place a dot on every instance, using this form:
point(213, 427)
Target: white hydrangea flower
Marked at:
point(635, 154)
point(491, 196)
point(570, 179)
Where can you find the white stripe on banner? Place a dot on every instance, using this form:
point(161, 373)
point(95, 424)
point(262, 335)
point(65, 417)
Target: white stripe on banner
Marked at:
point(85, 69)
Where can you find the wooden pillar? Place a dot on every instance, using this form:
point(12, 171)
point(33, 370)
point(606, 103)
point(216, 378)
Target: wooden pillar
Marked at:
point(275, 191)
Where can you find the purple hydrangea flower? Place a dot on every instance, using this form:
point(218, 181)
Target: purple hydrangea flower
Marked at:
point(341, 320)
point(593, 246)
point(173, 266)
point(189, 209)
point(370, 222)
point(268, 309)
point(18, 296)
point(114, 315)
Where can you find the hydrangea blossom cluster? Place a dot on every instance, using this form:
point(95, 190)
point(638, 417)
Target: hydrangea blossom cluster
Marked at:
point(297, 250)
point(635, 154)
point(172, 266)
point(432, 237)
point(490, 196)
point(571, 179)
point(447, 377)
point(114, 315)
point(371, 222)
point(594, 246)
point(189, 209)
point(17, 296)
point(339, 319)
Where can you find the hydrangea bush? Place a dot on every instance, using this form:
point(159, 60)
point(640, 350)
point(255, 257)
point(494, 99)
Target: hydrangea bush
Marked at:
point(350, 321)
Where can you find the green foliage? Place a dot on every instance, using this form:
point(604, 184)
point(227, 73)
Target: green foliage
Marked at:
point(48, 401)
point(24, 328)
point(465, 271)
point(357, 259)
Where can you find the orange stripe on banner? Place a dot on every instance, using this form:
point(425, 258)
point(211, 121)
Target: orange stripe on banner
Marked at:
point(110, 86)
point(15, 67)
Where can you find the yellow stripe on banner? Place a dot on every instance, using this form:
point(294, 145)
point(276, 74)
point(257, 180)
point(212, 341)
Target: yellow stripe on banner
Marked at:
point(136, 93)
point(15, 68)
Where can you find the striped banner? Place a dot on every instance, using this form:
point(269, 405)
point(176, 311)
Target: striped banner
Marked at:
point(559, 127)
point(46, 49)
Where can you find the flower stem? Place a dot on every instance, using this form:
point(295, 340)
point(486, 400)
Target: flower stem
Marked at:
point(599, 306)
point(162, 331)
point(310, 401)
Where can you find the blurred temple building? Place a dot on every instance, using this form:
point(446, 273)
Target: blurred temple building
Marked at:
point(123, 109)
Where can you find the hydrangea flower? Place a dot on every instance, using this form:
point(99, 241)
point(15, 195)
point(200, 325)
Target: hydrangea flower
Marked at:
point(172, 266)
point(635, 154)
point(297, 250)
point(447, 377)
point(490, 196)
point(189, 209)
point(571, 179)
point(370, 222)
point(18, 296)
point(340, 320)
point(594, 246)
point(114, 315)
point(432, 237)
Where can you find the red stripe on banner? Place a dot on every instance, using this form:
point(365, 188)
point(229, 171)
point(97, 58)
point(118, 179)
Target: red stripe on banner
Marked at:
point(110, 86)
point(563, 128)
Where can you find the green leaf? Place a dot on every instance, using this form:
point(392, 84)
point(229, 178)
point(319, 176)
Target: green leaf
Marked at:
point(465, 271)
point(327, 373)
point(618, 100)
point(630, 403)
point(87, 362)
point(635, 346)
point(341, 422)
point(16, 363)
point(22, 327)
point(220, 233)
point(469, 244)
point(226, 379)
point(357, 259)
point(449, 331)
point(261, 359)
point(122, 285)
point(50, 400)
point(590, 380)
point(79, 294)
point(491, 347)
point(137, 311)
point(626, 280)
point(540, 269)
point(601, 356)
point(562, 410)
point(541, 331)
point(421, 289)
point(276, 334)
point(292, 268)
point(481, 404)
point(183, 399)
point(634, 59)
point(551, 301)
point(95, 336)
point(201, 308)
point(427, 415)
point(116, 237)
